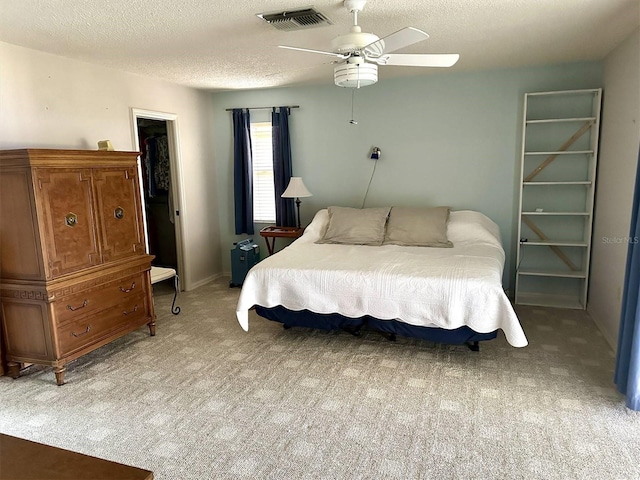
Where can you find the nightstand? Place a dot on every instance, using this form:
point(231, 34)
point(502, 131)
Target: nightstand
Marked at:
point(272, 232)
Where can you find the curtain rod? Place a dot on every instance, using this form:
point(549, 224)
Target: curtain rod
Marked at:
point(262, 108)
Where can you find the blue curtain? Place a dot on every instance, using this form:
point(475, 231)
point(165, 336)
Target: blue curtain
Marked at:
point(242, 172)
point(627, 374)
point(282, 169)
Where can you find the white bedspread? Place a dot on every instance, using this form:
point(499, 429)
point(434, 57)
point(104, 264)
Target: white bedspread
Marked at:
point(435, 287)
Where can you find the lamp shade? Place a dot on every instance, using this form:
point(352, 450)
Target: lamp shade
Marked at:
point(296, 189)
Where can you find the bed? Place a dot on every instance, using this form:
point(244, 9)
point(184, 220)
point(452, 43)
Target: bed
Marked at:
point(452, 294)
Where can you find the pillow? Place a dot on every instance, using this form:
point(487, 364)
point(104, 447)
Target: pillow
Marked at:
point(467, 226)
point(418, 227)
point(356, 226)
point(318, 226)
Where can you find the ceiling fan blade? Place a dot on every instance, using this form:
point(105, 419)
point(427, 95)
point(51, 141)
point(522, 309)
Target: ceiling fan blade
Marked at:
point(339, 55)
point(418, 59)
point(395, 41)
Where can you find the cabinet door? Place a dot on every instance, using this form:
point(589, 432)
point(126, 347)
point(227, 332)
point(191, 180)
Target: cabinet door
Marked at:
point(64, 197)
point(120, 212)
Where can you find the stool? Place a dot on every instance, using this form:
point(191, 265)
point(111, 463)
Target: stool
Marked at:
point(158, 274)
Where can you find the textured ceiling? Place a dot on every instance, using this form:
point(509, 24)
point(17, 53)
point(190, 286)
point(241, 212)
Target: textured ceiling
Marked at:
point(222, 45)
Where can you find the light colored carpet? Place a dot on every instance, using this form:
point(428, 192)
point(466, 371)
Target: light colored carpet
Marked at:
point(203, 399)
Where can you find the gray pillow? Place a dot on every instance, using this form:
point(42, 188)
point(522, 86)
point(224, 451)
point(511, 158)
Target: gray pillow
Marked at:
point(356, 226)
point(418, 227)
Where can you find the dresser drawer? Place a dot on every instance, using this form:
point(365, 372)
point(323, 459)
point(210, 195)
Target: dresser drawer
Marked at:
point(84, 331)
point(99, 298)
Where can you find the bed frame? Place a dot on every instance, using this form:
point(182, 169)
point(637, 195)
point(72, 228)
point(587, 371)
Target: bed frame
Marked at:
point(388, 328)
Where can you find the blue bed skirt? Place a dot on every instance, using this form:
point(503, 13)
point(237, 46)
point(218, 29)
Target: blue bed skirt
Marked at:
point(334, 321)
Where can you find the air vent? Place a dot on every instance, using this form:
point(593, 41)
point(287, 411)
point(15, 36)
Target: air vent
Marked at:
point(296, 19)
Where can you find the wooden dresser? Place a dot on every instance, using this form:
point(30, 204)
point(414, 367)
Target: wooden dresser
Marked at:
point(74, 274)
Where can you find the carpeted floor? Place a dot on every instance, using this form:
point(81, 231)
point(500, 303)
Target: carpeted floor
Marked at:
point(205, 400)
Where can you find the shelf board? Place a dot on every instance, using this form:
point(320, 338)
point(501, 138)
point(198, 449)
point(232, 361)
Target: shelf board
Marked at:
point(561, 152)
point(532, 272)
point(549, 300)
point(574, 214)
point(584, 91)
point(585, 182)
point(558, 243)
point(560, 120)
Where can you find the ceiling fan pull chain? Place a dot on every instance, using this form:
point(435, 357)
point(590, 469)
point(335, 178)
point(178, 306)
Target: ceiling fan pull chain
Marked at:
point(352, 121)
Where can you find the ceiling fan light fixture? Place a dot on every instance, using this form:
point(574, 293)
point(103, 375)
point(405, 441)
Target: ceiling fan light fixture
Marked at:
point(353, 75)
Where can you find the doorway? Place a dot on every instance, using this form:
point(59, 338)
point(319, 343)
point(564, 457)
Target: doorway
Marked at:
point(155, 137)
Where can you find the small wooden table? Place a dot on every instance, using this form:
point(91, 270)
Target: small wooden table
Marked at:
point(26, 460)
point(272, 232)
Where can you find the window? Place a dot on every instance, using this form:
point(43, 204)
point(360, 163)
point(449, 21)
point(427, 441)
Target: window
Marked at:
point(264, 203)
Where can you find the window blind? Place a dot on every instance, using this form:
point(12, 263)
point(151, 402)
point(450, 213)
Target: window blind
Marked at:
point(264, 207)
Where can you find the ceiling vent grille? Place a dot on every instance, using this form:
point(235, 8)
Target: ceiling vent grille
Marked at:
point(296, 19)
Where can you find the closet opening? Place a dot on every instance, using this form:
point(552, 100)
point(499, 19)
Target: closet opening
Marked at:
point(156, 139)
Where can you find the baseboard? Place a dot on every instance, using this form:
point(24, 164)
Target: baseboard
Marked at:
point(204, 281)
point(613, 342)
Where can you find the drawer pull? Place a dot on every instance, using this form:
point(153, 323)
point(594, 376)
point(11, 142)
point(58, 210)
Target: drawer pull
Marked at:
point(73, 309)
point(135, 309)
point(70, 219)
point(82, 333)
point(127, 290)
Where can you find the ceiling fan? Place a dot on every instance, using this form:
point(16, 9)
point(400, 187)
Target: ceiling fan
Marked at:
point(360, 53)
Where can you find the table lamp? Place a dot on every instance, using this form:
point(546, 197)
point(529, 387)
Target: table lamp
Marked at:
point(296, 189)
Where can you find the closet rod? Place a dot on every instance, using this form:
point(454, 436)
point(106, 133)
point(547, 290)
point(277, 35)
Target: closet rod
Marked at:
point(262, 108)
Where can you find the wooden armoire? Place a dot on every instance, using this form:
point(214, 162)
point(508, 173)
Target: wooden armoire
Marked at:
point(74, 274)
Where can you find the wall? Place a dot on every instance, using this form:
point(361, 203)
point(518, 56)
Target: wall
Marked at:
point(48, 101)
point(446, 139)
point(620, 137)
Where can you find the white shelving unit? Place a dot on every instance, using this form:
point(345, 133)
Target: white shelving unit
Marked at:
point(557, 186)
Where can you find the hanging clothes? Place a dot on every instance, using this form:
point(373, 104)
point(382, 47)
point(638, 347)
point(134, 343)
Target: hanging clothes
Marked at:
point(157, 166)
point(162, 169)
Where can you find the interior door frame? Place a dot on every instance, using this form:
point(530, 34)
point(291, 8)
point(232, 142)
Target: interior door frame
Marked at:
point(175, 164)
